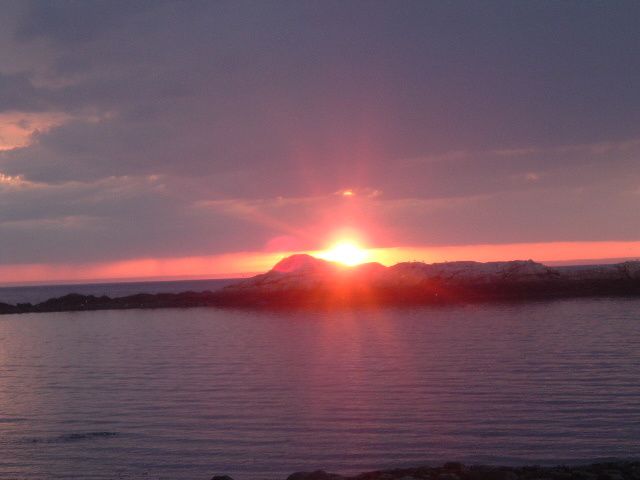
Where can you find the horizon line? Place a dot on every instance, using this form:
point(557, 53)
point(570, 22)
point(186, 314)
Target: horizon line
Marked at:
point(240, 275)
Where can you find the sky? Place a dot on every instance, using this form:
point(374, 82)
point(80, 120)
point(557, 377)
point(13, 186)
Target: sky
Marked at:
point(192, 139)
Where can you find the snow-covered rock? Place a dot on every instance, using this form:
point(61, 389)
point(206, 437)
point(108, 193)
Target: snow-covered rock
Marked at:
point(417, 280)
point(305, 272)
point(618, 271)
point(476, 272)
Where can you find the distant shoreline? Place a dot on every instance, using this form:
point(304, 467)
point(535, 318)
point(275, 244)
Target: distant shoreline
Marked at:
point(298, 300)
point(615, 470)
point(305, 281)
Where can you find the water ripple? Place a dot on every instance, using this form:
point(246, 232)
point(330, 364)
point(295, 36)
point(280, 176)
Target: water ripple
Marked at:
point(184, 394)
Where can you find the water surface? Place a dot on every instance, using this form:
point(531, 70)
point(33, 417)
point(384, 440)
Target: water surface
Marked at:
point(40, 293)
point(185, 394)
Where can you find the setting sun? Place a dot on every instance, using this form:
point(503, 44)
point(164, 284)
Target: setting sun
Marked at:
point(346, 252)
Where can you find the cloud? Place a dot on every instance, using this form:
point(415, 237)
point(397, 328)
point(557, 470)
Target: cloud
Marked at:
point(72, 21)
point(172, 128)
point(17, 93)
point(17, 129)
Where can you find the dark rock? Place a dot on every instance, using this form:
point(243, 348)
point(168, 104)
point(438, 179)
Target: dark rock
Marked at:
point(448, 476)
point(458, 471)
point(611, 475)
point(454, 466)
point(583, 475)
point(386, 476)
point(221, 477)
point(491, 473)
point(454, 470)
point(5, 308)
point(317, 475)
point(560, 474)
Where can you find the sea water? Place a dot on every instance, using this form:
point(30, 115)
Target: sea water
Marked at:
point(189, 393)
point(40, 293)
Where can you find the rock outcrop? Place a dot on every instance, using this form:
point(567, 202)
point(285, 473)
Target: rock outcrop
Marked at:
point(622, 470)
point(303, 281)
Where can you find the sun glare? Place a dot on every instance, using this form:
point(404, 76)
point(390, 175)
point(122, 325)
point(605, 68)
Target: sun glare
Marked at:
point(346, 252)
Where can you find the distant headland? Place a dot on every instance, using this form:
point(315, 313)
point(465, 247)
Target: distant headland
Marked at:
point(306, 281)
point(613, 470)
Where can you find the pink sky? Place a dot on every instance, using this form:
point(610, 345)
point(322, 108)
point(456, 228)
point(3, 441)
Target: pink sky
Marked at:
point(191, 139)
point(247, 263)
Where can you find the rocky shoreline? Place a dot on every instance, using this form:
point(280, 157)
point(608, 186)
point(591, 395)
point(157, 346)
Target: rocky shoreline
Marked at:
point(305, 281)
point(620, 470)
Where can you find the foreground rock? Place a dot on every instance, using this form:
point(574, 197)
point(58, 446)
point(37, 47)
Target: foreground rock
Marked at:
point(457, 471)
point(305, 281)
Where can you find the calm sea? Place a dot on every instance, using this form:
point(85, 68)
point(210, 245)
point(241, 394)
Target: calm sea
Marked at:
point(40, 293)
point(186, 394)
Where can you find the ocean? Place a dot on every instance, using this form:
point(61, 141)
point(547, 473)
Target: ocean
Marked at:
point(40, 293)
point(189, 393)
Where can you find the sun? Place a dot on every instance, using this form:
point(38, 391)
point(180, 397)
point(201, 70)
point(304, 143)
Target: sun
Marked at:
point(346, 252)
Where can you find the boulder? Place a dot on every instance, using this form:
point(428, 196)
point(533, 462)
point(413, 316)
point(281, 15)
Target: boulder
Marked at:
point(316, 475)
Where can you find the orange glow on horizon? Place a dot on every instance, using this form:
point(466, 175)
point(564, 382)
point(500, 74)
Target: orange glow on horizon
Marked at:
point(248, 263)
point(347, 252)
